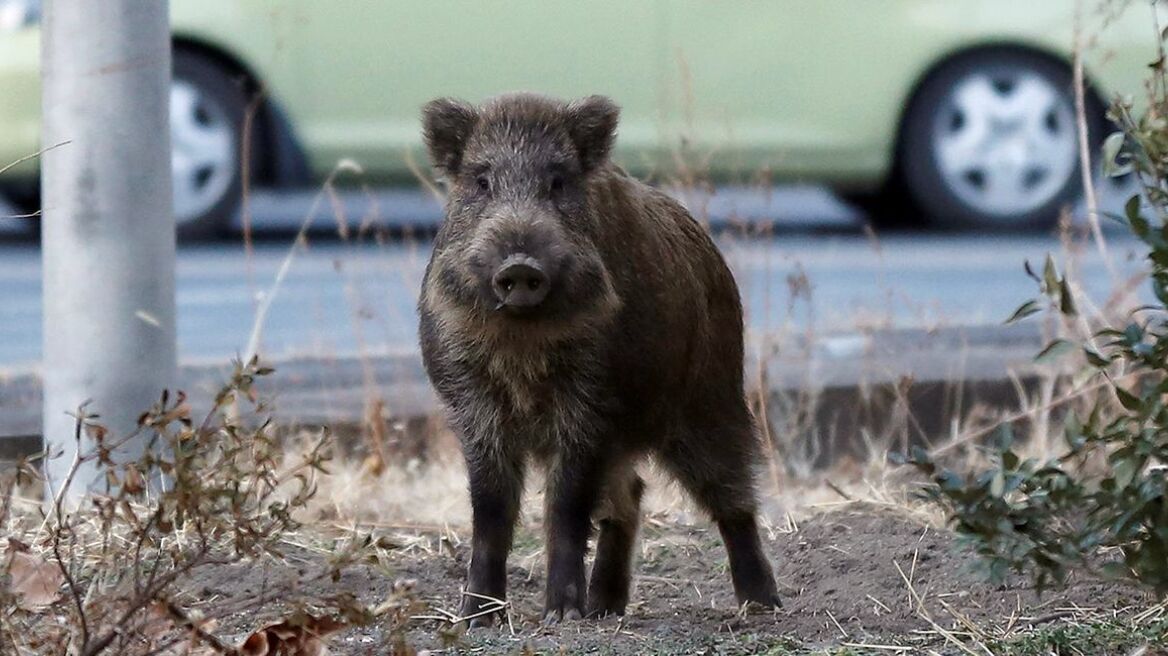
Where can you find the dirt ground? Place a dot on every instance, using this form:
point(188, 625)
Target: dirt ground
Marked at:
point(838, 572)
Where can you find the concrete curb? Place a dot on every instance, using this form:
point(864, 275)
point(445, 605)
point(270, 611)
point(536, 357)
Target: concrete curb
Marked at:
point(860, 382)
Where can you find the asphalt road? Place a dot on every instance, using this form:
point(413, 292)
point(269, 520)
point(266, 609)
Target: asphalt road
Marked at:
point(819, 271)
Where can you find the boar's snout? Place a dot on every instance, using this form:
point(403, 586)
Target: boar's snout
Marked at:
point(520, 282)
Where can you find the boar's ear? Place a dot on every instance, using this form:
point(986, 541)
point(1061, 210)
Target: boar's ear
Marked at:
point(592, 125)
point(446, 125)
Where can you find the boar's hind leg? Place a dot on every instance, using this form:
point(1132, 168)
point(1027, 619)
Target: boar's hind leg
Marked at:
point(753, 580)
point(495, 489)
point(573, 488)
point(608, 589)
point(715, 467)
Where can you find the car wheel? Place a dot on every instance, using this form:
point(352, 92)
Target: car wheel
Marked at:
point(991, 141)
point(207, 109)
point(887, 207)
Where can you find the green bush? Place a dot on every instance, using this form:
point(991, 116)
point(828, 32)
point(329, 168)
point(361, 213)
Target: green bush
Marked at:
point(1108, 488)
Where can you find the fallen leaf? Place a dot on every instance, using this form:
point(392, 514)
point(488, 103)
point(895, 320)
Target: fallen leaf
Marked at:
point(35, 583)
point(157, 623)
point(162, 618)
point(304, 637)
point(132, 482)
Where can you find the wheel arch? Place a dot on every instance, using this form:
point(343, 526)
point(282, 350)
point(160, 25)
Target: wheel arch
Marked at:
point(283, 162)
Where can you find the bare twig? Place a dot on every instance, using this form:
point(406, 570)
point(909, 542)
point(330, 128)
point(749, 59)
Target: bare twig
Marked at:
point(974, 435)
point(424, 180)
point(253, 342)
point(924, 614)
point(183, 619)
point(249, 122)
point(1085, 169)
point(35, 155)
point(58, 513)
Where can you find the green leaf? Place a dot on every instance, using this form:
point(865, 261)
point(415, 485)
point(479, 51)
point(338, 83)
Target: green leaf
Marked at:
point(998, 484)
point(1095, 358)
point(1128, 400)
point(1073, 431)
point(1125, 470)
point(1054, 351)
point(1050, 279)
point(1030, 272)
point(1131, 209)
point(1112, 149)
point(1118, 218)
point(1160, 289)
point(1004, 436)
point(1026, 309)
point(950, 481)
point(1010, 460)
point(1139, 226)
point(1134, 334)
point(1066, 299)
point(918, 454)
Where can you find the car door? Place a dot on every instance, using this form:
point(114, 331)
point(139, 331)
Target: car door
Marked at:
point(368, 66)
point(783, 85)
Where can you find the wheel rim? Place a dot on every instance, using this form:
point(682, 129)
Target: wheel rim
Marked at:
point(202, 158)
point(1005, 141)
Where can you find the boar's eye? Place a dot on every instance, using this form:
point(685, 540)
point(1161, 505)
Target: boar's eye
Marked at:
point(557, 184)
point(483, 183)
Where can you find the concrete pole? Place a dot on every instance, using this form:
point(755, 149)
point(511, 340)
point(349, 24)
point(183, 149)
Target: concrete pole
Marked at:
point(107, 227)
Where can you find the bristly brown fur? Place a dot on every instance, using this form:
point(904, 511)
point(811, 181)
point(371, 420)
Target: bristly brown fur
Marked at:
point(636, 350)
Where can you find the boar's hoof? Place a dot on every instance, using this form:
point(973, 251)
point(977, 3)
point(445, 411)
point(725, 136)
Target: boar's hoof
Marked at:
point(768, 601)
point(602, 604)
point(484, 622)
point(476, 612)
point(557, 615)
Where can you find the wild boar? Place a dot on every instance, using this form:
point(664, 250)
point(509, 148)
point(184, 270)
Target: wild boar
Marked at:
point(578, 319)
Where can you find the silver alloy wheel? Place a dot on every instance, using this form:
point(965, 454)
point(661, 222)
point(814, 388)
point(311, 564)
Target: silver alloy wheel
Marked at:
point(203, 157)
point(1005, 141)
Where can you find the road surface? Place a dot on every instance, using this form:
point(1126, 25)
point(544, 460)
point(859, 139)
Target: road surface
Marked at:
point(357, 296)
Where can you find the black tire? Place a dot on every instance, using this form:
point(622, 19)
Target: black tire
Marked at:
point(226, 92)
point(936, 195)
point(887, 207)
point(25, 199)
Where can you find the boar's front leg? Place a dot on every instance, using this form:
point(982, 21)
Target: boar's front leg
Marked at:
point(496, 484)
point(573, 488)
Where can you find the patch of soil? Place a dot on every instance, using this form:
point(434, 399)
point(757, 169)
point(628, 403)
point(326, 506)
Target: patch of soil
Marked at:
point(838, 574)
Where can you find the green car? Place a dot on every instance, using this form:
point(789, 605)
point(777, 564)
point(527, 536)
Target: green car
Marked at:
point(964, 107)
